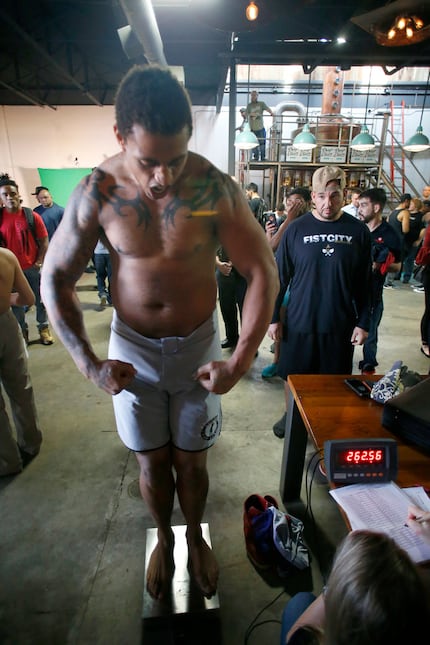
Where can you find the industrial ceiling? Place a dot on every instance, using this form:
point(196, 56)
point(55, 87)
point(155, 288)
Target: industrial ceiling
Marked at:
point(69, 52)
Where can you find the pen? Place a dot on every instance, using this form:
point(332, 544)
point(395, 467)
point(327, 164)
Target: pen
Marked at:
point(420, 520)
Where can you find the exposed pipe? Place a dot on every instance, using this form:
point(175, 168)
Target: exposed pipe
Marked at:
point(288, 106)
point(141, 18)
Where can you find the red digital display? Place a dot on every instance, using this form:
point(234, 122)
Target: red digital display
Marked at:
point(361, 456)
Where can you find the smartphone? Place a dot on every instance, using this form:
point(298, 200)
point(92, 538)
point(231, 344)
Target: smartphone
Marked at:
point(361, 388)
point(272, 219)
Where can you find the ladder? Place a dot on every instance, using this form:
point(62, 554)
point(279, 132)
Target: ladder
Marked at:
point(397, 164)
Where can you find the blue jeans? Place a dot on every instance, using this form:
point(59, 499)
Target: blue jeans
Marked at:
point(371, 345)
point(293, 610)
point(260, 151)
point(33, 276)
point(408, 263)
point(103, 268)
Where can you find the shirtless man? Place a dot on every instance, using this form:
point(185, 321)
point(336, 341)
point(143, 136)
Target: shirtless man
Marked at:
point(14, 375)
point(162, 212)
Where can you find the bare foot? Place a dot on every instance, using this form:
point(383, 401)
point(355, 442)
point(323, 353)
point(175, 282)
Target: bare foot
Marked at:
point(160, 571)
point(203, 567)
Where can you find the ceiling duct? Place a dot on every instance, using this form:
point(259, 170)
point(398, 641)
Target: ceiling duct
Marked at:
point(143, 23)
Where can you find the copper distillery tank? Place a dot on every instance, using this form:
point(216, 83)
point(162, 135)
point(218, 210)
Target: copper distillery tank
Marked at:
point(332, 128)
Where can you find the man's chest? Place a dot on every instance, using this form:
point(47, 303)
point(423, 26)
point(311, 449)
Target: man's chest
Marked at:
point(183, 239)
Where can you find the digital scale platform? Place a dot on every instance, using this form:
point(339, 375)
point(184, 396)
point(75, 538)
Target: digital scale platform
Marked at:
point(186, 613)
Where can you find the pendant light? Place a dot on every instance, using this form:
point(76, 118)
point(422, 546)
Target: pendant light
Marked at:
point(305, 140)
point(419, 141)
point(246, 140)
point(364, 140)
point(251, 11)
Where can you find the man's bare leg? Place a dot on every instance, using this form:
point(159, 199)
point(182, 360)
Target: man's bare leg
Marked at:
point(192, 484)
point(157, 487)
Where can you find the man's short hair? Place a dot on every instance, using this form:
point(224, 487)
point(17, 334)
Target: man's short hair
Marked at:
point(5, 180)
point(153, 98)
point(376, 196)
point(405, 197)
point(280, 206)
point(252, 186)
point(303, 192)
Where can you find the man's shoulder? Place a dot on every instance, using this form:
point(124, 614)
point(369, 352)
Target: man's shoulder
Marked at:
point(350, 209)
point(39, 209)
point(347, 218)
point(56, 209)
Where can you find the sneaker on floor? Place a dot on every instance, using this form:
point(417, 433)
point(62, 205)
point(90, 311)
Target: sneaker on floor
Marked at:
point(367, 369)
point(419, 289)
point(279, 427)
point(260, 553)
point(270, 371)
point(389, 286)
point(103, 301)
point(45, 336)
point(228, 344)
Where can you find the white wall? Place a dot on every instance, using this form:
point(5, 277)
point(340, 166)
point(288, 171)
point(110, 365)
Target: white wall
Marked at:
point(32, 137)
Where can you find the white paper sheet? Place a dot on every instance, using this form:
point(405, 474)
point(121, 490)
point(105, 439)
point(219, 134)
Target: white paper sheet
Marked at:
point(384, 508)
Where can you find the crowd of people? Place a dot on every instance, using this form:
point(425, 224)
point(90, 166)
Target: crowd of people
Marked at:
point(178, 233)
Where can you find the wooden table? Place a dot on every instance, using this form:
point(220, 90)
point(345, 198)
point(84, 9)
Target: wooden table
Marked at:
point(323, 407)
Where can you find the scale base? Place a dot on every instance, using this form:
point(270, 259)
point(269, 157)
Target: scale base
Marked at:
point(186, 616)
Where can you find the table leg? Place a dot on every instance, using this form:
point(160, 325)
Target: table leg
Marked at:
point(293, 456)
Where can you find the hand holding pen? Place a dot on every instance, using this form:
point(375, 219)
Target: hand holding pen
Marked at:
point(419, 521)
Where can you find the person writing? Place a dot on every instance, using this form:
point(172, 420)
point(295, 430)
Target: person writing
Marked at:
point(374, 594)
point(419, 521)
point(162, 212)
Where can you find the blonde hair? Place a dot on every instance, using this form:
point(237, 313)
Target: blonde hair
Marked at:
point(375, 594)
point(417, 203)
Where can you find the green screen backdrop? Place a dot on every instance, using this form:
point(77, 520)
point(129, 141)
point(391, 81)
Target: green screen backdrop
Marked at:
point(61, 181)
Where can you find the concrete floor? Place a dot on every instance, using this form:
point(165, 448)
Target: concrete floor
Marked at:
point(73, 526)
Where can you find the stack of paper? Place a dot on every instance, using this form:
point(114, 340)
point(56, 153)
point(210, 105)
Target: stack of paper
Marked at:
point(384, 508)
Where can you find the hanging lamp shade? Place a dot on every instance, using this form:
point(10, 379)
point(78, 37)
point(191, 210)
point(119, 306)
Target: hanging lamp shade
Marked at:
point(305, 140)
point(418, 142)
point(246, 140)
point(364, 140)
